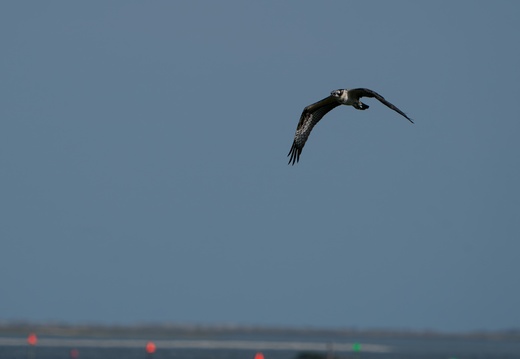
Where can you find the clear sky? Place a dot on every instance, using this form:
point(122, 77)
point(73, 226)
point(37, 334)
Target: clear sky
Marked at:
point(144, 175)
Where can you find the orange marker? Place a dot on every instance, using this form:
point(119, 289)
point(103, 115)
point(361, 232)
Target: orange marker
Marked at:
point(150, 347)
point(32, 339)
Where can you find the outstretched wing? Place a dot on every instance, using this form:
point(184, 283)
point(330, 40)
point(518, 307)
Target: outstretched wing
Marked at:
point(310, 117)
point(362, 92)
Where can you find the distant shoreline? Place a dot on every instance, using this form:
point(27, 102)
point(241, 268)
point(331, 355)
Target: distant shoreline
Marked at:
point(195, 331)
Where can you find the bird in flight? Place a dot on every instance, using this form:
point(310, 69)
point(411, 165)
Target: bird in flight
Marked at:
point(312, 114)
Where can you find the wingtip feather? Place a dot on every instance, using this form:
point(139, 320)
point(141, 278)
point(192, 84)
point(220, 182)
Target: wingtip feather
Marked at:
point(294, 154)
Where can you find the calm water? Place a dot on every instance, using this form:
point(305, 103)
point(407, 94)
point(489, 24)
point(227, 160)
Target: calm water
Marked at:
point(245, 348)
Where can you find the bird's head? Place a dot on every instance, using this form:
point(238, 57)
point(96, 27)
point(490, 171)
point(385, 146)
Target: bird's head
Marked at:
point(337, 93)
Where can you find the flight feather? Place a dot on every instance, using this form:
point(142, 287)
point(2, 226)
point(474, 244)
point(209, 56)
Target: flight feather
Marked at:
point(310, 116)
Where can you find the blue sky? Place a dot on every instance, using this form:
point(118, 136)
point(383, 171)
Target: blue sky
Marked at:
point(145, 179)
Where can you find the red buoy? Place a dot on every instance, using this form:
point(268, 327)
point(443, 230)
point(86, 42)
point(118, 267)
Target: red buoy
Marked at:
point(74, 354)
point(32, 339)
point(259, 355)
point(150, 347)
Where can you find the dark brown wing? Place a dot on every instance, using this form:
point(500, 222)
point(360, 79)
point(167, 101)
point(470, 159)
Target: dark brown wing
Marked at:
point(310, 117)
point(362, 92)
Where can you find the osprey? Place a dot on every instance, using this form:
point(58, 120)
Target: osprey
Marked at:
point(313, 113)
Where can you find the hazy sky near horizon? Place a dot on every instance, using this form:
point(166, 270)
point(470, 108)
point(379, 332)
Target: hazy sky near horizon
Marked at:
point(145, 179)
